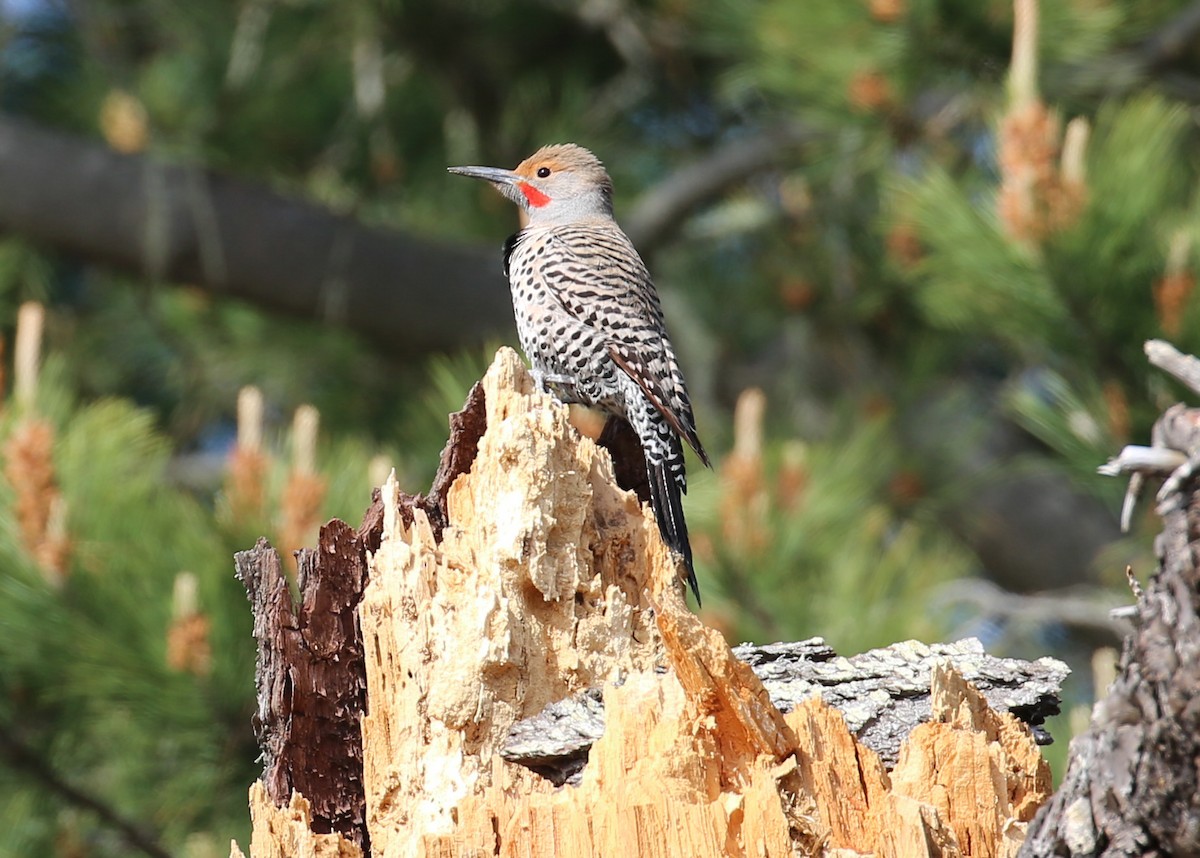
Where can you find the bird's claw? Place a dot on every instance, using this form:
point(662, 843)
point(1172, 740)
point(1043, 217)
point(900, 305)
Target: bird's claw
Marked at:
point(544, 380)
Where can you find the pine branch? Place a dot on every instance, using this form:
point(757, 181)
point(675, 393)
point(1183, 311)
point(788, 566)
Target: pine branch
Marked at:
point(25, 758)
point(662, 208)
point(1174, 39)
point(1123, 71)
point(1087, 610)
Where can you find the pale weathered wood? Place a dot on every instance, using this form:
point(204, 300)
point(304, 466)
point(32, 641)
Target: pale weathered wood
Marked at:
point(531, 579)
point(455, 657)
point(287, 832)
point(978, 768)
point(967, 782)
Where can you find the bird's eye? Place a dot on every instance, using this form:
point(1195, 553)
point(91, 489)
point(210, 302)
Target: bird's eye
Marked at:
point(543, 172)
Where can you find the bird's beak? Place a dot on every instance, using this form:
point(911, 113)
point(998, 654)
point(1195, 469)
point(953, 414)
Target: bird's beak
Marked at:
point(506, 182)
point(491, 174)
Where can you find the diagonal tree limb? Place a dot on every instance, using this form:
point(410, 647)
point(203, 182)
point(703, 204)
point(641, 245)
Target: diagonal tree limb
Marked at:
point(660, 211)
point(1150, 60)
point(22, 757)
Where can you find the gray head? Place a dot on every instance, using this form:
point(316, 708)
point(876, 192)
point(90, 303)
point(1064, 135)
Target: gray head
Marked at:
point(557, 184)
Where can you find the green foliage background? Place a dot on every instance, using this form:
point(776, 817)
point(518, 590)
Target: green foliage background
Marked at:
point(866, 281)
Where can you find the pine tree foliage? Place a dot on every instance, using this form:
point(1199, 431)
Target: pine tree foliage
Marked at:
point(86, 674)
point(1080, 302)
point(95, 689)
point(798, 531)
point(888, 256)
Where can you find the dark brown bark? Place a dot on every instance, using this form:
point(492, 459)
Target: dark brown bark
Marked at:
point(310, 675)
point(466, 428)
point(311, 678)
point(1131, 787)
point(239, 238)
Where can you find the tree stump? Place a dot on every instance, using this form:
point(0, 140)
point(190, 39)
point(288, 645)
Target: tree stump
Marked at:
point(535, 685)
point(1132, 786)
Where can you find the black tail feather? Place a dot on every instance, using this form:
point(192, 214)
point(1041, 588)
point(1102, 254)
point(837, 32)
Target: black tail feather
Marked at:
point(666, 499)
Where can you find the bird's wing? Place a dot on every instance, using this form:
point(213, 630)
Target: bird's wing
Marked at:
point(603, 283)
point(679, 416)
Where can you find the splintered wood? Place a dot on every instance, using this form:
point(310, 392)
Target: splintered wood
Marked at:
point(966, 784)
point(547, 580)
point(286, 832)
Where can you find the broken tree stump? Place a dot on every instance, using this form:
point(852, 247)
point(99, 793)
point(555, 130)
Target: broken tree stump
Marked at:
point(537, 686)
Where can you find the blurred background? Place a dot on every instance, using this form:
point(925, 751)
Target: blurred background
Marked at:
point(909, 252)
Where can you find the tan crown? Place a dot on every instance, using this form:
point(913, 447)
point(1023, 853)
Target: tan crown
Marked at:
point(565, 157)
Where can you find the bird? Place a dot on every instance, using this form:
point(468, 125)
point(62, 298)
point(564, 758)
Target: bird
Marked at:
point(590, 321)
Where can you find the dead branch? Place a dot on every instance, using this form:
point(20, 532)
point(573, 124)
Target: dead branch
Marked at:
point(21, 756)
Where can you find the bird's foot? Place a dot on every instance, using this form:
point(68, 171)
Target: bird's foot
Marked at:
point(546, 380)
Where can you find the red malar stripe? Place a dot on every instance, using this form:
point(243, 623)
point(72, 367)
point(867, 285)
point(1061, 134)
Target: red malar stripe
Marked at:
point(536, 198)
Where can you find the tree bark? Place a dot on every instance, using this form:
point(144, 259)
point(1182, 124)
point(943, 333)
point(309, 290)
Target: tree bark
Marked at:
point(1131, 787)
point(311, 679)
point(529, 578)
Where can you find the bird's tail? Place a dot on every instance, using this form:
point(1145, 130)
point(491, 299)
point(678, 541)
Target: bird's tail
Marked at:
point(666, 499)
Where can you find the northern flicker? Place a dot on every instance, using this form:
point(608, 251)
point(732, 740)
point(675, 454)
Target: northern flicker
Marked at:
point(590, 321)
